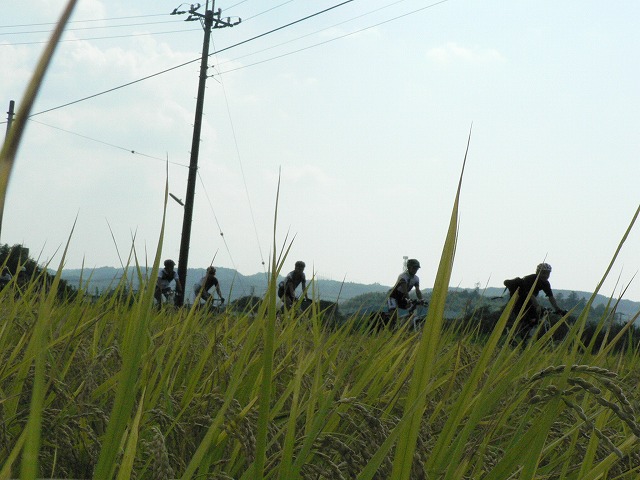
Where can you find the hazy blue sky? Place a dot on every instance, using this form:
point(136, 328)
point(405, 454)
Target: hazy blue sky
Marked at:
point(366, 110)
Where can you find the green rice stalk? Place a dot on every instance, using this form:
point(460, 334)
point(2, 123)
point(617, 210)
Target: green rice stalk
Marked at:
point(238, 379)
point(582, 319)
point(7, 159)
point(5, 473)
point(600, 470)
point(10, 145)
point(607, 319)
point(133, 347)
point(267, 359)
point(465, 404)
point(427, 350)
point(289, 439)
point(325, 416)
point(524, 453)
point(126, 464)
point(372, 467)
point(628, 327)
point(37, 350)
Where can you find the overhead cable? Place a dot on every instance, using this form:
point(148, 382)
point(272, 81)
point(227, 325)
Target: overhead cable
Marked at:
point(192, 61)
point(332, 39)
point(244, 179)
point(83, 21)
point(310, 34)
point(90, 28)
point(108, 144)
point(266, 11)
point(144, 34)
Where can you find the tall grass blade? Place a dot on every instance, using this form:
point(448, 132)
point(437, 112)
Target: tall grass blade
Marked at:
point(442, 454)
point(5, 473)
point(10, 146)
point(126, 465)
point(267, 358)
point(38, 351)
point(582, 319)
point(133, 348)
point(427, 349)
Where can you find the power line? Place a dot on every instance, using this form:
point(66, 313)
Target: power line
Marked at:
point(101, 38)
point(91, 28)
point(236, 4)
point(115, 88)
point(244, 179)
point(268, 10)
point(194, 60)
point(129, 150)
point(310, 34)
point(224, 240)
point(331, 39)
point(194, 29)
point(83, 21)
point(282, 27)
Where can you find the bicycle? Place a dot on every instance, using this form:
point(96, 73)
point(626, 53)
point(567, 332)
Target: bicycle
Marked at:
point(418, 320)
point(296, 304)
point(393, 321)
point(167, 296)
point(215, 306)
point(534, 330)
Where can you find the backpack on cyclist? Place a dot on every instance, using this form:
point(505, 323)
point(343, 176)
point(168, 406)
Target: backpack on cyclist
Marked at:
point(512, 285)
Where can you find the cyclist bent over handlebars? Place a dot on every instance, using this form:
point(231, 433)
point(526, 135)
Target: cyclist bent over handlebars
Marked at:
point(399, 294)
point(532, 310)
point(165, 277)
point(206, 283)
point(287, 288)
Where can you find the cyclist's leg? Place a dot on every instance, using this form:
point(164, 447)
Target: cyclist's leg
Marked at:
point(288, 300)
point(158, 295)
point(531, 323)
point(205, 301)
point(168, 295)
point(392, 316)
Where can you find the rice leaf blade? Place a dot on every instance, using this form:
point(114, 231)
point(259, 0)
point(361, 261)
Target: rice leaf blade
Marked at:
point(427, 349)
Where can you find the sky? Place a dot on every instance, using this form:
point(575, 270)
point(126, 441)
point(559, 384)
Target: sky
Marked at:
point(361, 114)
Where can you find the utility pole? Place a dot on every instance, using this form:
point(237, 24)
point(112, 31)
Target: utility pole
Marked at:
point(211, 20)
point(10, 116)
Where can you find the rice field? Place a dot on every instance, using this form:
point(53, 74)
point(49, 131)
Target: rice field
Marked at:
point(118, 389)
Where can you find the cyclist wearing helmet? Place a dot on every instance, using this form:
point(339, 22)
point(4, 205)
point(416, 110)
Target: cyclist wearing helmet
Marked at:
point(206, 283)
point(287, 288)
point(165, 277)
point(535, 283)
point(5, 277)
point(407, 280)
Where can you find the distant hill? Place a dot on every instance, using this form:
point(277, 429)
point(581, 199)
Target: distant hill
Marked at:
point(235, 285)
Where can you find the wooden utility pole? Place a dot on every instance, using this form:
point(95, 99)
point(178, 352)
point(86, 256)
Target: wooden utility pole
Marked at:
point(10, 115)
point(211, 20)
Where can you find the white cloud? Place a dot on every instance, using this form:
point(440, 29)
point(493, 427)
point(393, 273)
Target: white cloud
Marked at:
point(453, 53)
